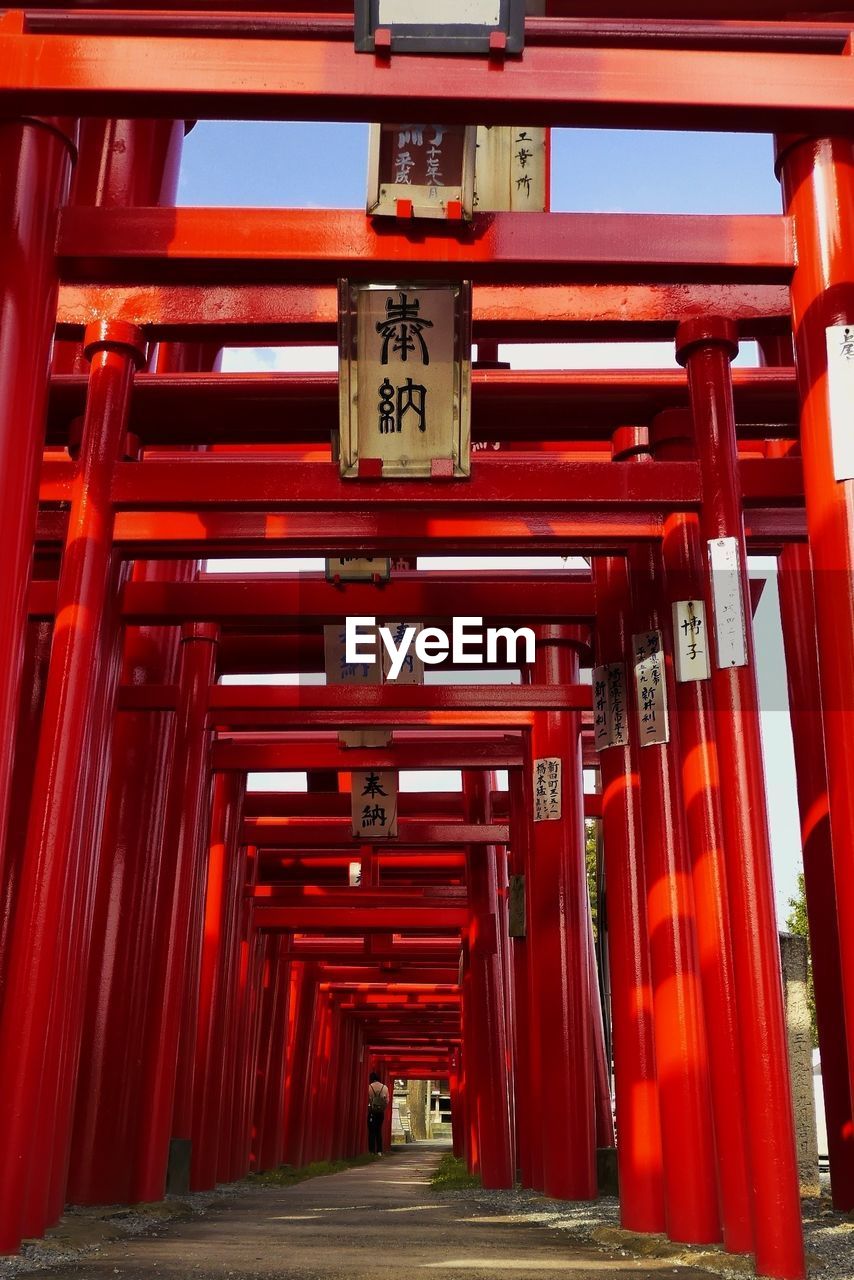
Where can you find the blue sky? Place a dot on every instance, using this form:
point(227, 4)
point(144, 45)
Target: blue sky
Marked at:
point(324, 166)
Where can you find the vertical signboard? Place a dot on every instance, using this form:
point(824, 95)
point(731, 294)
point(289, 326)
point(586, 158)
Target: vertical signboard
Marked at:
point(373, 800)
point(651, 688)
point(412, 668)
point(511, 169)
point(728, 603)
point(690, 650)
point(340, 671)
point(610, 721)
point(405, 379)
point(429, 166)
point(547, 789)
point(840, 388)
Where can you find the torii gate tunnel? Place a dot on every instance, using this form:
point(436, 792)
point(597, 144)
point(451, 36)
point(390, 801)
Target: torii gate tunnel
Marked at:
point(188, 968)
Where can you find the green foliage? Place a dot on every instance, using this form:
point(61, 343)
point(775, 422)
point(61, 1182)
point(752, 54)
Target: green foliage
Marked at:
point(796, 922)
point(287, 1176)
point(590, 844)
point(452, 1175)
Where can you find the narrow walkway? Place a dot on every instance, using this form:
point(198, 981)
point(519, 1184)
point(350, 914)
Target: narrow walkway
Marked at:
point(378, 1222)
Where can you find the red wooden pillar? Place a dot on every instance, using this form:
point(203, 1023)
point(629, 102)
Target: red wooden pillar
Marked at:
point(818, 189)
point(559, 933)
point(234, 1047)
point(269, 1108)
point(225, 881)
point(33, 681)
point(528, 1076)
point(36, 1037)
point(297, 1081)
point(639, 1153)
point(797, 611)
point(184, 826)
point(456, 1105)
point(706, 347)
point(672, 440)
point(35, 166)
point(486, 1029)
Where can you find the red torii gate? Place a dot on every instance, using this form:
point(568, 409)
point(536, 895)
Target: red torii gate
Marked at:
point(107, 817)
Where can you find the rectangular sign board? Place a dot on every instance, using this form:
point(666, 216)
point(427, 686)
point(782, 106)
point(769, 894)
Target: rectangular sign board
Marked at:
point(373, 800)
point(690, 646)
point(728, 603)
point(358, 569)
point(429, 165)
point(547, 789)
point(651, 688)
point(610, 714)
point(405, 379)
point(440, 26)
point(840, 389)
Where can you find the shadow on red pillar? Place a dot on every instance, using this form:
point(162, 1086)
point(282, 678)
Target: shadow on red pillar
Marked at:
point(559, 933)
point(223, 901)
point(671, 438)
point(639, 1154)
point(797, 612)
point(35, 168)
point(39, 1032)
point(817, 176)
point(706, 348)
point(486, 1024)
point(183, 849)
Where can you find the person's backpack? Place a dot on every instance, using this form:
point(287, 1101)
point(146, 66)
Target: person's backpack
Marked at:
point(379, 1099)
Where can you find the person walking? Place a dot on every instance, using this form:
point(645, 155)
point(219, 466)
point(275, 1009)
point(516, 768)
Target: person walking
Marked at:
point(377, 1103)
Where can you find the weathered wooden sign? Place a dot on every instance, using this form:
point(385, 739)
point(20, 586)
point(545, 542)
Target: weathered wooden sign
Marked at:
point(373, 798)
point(610, 714)
point(547, 789)
point(405, 379)
point(510, 169)
point(421, 170)
point(651, 688)
point(440, 26)
point(358, 568)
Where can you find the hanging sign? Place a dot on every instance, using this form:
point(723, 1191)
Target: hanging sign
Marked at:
point(421, 170)
point(690, 650)
point(610, 721)
point(373, 799)
point(411, 667)
point(840, 387)
point(728, 603)
point(440, 26)
point(510, 172)
point(547, 789)
point(340, 671)
point(358, 569)
point(405, 380)
point(651, 688)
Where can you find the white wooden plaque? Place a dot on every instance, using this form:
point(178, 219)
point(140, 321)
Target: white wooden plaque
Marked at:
point(547, 789)
point(728, 603)
point(840, 387)
point(373, 801)
point(510, 173)
point(690, 647)
point(610, 718)
point(651, 688)
point(484, 13)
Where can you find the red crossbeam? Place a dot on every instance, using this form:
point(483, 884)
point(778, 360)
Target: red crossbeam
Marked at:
point(256, 313)
point(320, 245)
point(332, 833)
point(177, 77)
